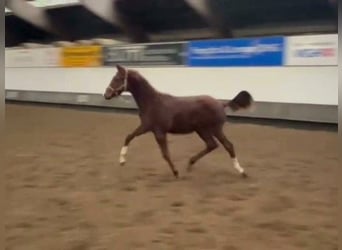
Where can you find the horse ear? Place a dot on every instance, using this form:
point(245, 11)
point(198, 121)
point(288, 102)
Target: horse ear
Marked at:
point(120, 68)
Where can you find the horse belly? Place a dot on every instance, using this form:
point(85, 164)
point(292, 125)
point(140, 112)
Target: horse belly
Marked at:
point(208, 120)
point(181, 124)
point(188, 122)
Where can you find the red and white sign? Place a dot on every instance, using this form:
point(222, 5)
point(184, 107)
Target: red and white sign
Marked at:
point(312, 50)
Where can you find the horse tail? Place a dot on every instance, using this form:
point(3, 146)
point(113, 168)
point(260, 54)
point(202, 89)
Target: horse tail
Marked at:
point(243, 100)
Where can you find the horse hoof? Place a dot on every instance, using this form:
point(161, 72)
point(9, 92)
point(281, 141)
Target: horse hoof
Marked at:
point(244, 175)
point(190, 164)
point(122, 163)
point(175, 173)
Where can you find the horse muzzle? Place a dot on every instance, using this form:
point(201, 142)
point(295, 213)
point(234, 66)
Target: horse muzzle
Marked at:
point(112, 95)
point(109, 96)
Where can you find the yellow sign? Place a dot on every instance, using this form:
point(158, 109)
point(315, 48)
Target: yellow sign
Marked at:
point(82, 56)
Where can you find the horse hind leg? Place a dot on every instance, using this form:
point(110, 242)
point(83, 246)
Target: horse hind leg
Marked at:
point(211, 145)
point(230, 149)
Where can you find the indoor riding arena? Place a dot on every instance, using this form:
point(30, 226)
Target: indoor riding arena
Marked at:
point(65, 186)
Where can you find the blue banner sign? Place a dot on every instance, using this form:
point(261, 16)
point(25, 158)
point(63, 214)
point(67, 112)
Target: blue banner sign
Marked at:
point(237, 52)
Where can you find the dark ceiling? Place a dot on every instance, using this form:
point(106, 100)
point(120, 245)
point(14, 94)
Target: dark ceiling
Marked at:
point(153, 16)
point(244, 13)
point(156, 15)
point(77, 22)
point(18, 31)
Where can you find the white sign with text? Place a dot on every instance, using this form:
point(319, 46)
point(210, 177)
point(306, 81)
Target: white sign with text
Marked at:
point(312, 50)
point(26, 58)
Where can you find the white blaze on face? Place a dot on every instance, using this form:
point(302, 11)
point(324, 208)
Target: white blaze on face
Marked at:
point(123, 153)
point(237, 166)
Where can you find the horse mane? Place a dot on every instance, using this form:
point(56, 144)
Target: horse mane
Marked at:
point(140, 79)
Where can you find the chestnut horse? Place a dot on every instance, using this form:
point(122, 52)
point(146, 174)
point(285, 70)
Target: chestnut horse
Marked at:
point(161, 113)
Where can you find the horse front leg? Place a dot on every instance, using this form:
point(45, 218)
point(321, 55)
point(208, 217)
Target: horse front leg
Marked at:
point(162, 142)
point(137, 132)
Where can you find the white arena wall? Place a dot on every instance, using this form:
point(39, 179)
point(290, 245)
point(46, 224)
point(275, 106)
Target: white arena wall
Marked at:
point(284, 91)
point(291, 92)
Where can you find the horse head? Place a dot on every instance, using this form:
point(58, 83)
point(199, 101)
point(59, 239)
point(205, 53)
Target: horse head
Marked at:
point(118, 84)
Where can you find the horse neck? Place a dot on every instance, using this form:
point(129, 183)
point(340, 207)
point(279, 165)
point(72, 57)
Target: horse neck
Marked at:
point(143, 93)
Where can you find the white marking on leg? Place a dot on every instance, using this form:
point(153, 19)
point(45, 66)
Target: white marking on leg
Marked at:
point(237, 166)
point(123, 153)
